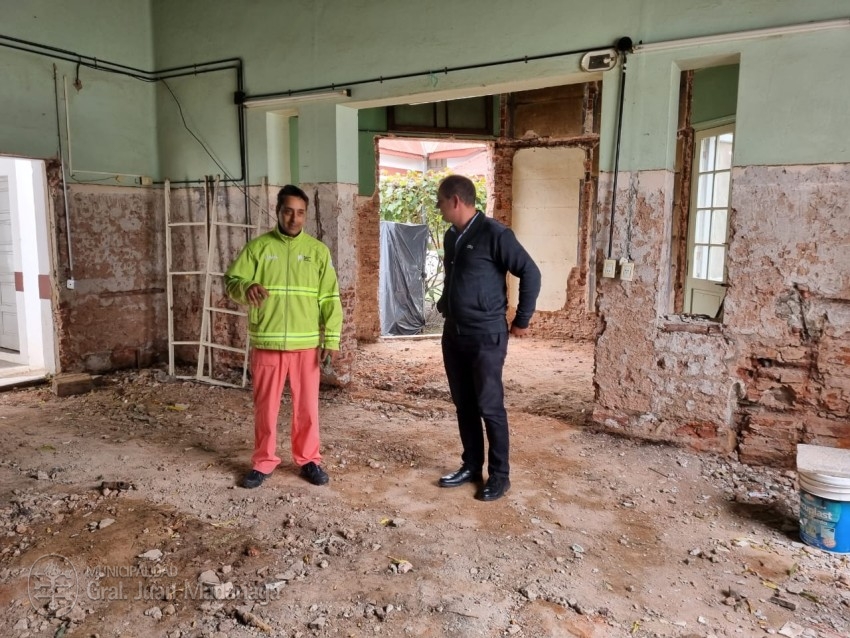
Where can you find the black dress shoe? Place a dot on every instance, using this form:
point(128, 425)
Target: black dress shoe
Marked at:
point(464, 475)
point(495, 488)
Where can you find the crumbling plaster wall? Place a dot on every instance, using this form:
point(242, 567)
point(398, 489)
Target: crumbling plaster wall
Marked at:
point(789, 308)
point(774, 372)
point(115, 315)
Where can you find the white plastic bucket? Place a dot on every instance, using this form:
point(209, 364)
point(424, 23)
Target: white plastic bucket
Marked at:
point(824, 497)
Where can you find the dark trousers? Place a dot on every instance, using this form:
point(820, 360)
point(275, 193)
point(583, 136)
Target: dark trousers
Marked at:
point(474, 370)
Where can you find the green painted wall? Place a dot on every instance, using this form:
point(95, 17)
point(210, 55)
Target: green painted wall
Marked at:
point(793, 90)
point(113, 118)
point(715, 94)
point(792, 96)
point(342, 41)
point(371, 122)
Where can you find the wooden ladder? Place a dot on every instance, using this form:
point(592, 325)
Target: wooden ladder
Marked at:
point(205, 342)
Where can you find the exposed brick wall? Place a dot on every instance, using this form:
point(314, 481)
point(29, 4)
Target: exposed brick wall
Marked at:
point(774, 373)
point(789, 307)
point(655, 379)
point(115, 316)
point(574, 320)
point(333, 215)
point(367, 317)
point(551, 118)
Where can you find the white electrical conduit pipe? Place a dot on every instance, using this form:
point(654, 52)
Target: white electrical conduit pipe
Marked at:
point(735, 36)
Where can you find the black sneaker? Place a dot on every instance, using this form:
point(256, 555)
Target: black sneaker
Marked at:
point(314, 473)
point(254, 479)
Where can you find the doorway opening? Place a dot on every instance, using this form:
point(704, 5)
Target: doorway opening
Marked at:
point(26, 314)
point(412, 228)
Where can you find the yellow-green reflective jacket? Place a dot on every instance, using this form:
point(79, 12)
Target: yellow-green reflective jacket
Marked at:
point(303, 309)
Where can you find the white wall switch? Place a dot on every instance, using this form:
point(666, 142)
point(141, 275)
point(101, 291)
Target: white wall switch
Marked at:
point(609, 268)
point(627, 270)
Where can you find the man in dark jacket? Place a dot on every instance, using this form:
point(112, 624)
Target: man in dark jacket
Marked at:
point(479, 252)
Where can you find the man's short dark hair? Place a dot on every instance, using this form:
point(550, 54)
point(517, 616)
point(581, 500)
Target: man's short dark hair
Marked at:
point(460, 186)
point(290, 191)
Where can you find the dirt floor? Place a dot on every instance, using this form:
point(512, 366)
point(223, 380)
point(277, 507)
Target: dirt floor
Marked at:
point(121, 516)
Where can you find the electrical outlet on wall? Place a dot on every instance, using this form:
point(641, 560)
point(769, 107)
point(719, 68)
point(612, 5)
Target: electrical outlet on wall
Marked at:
point(609, 268)
point(627, 270)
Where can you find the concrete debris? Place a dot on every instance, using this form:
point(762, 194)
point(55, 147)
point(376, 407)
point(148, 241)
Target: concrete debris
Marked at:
point(151, 554)
point(209, 577)
point(530, 592)
point(318, 623)
point(791, 630)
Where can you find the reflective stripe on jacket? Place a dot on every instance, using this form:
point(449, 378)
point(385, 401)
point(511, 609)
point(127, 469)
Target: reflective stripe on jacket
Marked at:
point(303, 309)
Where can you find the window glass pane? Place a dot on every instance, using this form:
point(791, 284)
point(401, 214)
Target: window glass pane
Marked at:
point(715, 262)
point(724, 151)
point(721, 189)
point(706, 154)
point(703, 223)
point(704, 190)
point(718, 226)
point(700, 262)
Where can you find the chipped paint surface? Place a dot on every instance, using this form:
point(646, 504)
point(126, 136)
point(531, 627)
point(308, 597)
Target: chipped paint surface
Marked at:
point(775, 371)
point(115, 316)
point(789, 306)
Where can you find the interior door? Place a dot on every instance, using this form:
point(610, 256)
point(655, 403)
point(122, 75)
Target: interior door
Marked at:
point(8, 302)
point(708, 222)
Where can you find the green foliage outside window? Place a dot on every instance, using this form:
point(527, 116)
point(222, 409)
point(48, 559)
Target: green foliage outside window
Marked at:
point(412, 199)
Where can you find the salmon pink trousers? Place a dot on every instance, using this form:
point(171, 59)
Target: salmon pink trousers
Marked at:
point(270, 369)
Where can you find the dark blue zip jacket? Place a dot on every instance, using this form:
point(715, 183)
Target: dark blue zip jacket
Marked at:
point(474, 299)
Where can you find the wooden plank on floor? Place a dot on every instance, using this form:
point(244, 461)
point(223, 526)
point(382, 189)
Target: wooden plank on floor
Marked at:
point(68, 384)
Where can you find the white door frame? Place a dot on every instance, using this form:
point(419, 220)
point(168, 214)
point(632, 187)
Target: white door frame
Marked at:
point(32, 258)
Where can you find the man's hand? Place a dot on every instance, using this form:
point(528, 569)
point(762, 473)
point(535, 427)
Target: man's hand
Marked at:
point(327, 356)
point(516, 331)
point(256, 295)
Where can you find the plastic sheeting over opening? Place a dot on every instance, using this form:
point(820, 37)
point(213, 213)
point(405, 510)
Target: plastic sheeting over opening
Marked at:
point(401, 284)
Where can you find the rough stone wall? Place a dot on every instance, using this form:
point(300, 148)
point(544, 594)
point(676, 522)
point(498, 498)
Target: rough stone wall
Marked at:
point(789, 307)
point(774, 373)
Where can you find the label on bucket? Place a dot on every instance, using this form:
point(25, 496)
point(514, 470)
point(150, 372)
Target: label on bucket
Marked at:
point(824, 523)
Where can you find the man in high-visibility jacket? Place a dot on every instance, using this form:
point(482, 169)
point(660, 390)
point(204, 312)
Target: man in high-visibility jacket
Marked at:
point(294, 324)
